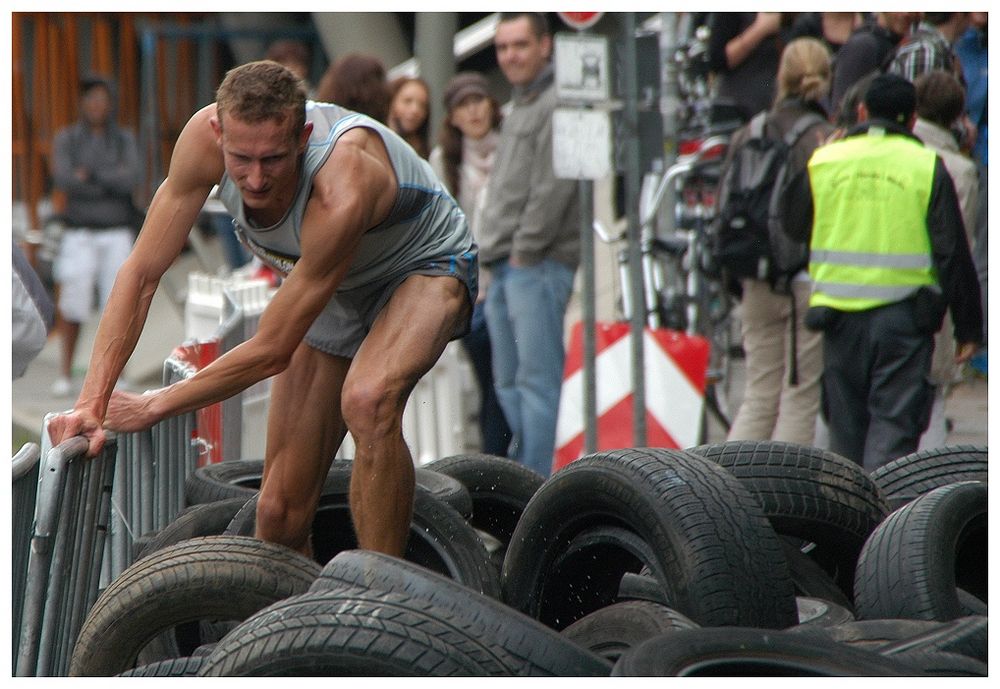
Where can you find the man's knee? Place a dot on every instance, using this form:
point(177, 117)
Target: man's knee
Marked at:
point(371, 406)
point(283, 520)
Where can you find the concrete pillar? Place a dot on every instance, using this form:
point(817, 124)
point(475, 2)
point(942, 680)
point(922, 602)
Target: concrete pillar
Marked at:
point(374, 33)
point(434, 49)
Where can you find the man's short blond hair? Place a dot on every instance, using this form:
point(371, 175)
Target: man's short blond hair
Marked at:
point(260, 91)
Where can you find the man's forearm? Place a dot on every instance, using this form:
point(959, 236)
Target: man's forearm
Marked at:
point(117, 334)
point(231, 374)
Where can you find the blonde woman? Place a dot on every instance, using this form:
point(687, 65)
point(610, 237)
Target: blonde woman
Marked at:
point(784, 360)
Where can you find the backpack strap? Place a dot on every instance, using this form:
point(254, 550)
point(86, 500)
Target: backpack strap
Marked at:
point(805, 122)
point(757, 123)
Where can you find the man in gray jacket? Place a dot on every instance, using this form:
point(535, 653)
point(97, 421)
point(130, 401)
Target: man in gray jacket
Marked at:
point(95, 163)
point(529, 245)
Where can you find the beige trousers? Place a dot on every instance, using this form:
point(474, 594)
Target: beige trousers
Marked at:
point(771, 408)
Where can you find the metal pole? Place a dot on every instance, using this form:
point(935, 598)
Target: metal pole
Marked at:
point(632, 181)
point(589, 317)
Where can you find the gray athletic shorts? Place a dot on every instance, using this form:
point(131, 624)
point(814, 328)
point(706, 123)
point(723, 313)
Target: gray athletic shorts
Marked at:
point(342, 326)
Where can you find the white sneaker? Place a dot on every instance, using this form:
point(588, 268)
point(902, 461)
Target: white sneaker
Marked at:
point(63, 387)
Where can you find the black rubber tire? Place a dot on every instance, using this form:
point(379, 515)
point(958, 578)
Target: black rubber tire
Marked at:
point(822, 613)
point(500, 489)
point(914, 562)
point(205, 519)
point(347, 632)
point(809, 577)
point(938, 664)
point(742, 652)
point(971, 605)
point(209, 578)
point(907, 478)
point(174, 667)
point(809, 493)
point(612, 630)
point(641, 586)
point(966, 636)
point(697, 528)
point(223, 481)
point(527, 646)
point(242, 478)
point(440, 538)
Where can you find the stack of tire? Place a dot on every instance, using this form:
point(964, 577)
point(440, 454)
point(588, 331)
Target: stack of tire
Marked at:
point(743, 558)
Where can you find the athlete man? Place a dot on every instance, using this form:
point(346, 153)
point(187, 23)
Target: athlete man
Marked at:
point(381, 274)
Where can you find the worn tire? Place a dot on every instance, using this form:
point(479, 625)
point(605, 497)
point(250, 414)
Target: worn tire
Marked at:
point(808, 493)
point(223, 481)
point(871, 635)
point(242, 478)
point(966, 636)
point(346, 632)
point(500, 489)
point(821, 613)
point(526, 646)
point(737, 652)
point(173, 667)
point(440, 538)
point(939, 664)
point(209, 578)
point(907, 478)
point(915, 561)
point(699, 531)
point(810, 578)
point(205, 519)
point(614, 629)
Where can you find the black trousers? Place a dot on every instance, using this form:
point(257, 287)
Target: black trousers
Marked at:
point(876, 396)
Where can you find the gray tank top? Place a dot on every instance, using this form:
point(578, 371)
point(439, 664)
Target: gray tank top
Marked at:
point(424, 223)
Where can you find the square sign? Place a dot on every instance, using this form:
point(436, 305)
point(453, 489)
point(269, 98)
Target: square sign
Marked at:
point(581, 63)
point(581, 143)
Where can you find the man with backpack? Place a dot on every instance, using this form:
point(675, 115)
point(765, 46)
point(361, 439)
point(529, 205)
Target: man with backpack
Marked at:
point(783, 359)
point(888, 255)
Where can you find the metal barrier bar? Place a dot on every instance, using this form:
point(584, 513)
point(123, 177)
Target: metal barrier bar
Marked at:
point(24, 471)
point(69, 530)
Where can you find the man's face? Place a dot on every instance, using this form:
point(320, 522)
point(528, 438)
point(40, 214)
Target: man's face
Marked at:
point(520, 53)
point(262, 159)
point(95, 106)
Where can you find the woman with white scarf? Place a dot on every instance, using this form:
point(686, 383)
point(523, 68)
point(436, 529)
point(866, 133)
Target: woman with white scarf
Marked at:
point(463, 160)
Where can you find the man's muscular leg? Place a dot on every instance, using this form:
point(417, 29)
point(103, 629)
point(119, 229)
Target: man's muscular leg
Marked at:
point(305, 429)
point(405, 341)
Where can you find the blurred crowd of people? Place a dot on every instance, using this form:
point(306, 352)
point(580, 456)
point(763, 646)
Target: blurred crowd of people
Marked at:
point(497, 164)
point(891, 86)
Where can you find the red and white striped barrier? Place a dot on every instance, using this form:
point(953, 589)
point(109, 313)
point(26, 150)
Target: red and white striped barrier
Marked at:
point(675, 390)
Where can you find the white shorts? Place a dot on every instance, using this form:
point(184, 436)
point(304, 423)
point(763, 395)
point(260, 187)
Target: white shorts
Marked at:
point(89, 259)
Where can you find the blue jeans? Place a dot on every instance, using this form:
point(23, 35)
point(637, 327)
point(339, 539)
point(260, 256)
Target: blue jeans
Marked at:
point(525, 309)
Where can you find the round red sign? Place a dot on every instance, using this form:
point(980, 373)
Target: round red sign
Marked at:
point(581, 20)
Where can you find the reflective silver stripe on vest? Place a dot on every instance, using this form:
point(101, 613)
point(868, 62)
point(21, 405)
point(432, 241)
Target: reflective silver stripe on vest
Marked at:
point(855, 258)
point(881, 292)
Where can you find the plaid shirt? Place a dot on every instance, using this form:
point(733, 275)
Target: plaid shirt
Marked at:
point(925, 50)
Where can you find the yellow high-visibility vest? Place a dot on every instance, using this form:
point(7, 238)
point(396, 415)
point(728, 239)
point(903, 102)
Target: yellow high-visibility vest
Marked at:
point(870, 245)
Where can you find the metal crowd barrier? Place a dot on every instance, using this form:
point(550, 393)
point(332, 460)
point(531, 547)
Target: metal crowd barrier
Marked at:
point(24, 470)
point(67, 538)
point(75, 521)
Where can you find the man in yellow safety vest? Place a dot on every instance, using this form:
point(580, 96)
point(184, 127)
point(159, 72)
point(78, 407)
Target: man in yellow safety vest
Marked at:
point(888, 256)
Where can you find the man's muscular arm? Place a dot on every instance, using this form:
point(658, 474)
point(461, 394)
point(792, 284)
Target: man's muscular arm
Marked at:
point(351, 193)
point(195, 166)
